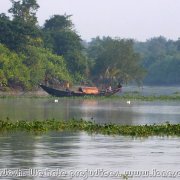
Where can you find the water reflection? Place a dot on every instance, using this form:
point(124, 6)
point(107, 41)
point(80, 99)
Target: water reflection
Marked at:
point(12, 147)
point(100, 111)
point(79, 151)
point(23, 150)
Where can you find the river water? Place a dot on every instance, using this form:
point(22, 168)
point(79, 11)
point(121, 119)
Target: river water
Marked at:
point(100, 111)
point(78, 155)
point(81, 155)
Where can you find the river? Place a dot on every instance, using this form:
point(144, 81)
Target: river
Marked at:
point(80, 155)
point(100, 111)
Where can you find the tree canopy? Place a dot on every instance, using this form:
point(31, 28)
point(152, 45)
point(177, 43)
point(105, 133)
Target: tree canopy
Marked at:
point(24, 60)
point(60, 36)
point(115, 60)
point(55, 52)
point(161, 59)
point(22, 30)
point(24, 10)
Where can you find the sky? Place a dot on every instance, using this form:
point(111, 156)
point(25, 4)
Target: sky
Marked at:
point(137, 19)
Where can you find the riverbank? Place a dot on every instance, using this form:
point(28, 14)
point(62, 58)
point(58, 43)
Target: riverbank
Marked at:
point(136, 96)
point(17, 93)
point(90, 127)
point(125, 96)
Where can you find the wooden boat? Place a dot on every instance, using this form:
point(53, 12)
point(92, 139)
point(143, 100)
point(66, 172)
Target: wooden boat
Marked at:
point(84, 91)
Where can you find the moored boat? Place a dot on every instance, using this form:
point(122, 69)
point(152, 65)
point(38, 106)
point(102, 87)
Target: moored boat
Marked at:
point(82, 91)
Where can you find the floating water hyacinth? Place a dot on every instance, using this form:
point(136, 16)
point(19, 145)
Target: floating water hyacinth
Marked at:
point(91, 127)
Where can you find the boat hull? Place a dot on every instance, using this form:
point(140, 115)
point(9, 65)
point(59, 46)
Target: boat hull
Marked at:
point(62, 93)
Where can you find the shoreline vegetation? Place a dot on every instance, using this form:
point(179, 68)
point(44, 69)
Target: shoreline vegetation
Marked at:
point(54, 53)
point(73, 125)
point(124, 96)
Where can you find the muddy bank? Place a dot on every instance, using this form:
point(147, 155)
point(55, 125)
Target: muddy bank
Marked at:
point(18, 93)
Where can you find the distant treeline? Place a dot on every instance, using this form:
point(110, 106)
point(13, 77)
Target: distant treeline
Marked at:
point(55, 53)
point(161, 59)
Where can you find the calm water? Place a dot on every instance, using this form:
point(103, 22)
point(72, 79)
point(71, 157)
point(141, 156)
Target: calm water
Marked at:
point(74, 155)
point(100, 111)
point(152, 90)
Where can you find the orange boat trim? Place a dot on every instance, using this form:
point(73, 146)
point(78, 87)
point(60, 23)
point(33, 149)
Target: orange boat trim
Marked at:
point(90, 90)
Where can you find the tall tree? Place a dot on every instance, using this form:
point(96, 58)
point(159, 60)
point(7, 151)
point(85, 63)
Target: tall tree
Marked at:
point(24, 10)
point(5, 30)
point(31, 63)
point(22, 30)
point(16, 35)
point(60, 36)
point(115, 60)
point(58, 22)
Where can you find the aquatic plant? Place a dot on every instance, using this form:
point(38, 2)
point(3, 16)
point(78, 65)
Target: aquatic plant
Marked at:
point(166, 129)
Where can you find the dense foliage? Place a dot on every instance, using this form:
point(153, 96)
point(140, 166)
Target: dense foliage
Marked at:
point(55, 53)
point(161, 59)
point(25, 60)
point(115, 61)
point(63, 40)
point(28, 69)
point(12, 70)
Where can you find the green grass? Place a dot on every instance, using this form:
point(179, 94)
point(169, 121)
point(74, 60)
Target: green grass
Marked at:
point(173, 97)
point(90, 127)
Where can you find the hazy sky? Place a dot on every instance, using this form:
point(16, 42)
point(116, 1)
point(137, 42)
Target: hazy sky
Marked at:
point(137, 19)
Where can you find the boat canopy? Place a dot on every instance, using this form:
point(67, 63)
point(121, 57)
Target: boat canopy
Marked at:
point(90, 90)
